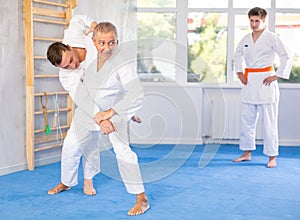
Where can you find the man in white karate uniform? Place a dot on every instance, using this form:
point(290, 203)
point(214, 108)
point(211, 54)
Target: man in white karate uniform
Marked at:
point(260, 91)
point(70, 57)
point(82, 137)
point(112, 81)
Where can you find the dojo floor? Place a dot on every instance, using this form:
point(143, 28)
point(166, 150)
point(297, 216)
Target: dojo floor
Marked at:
point(182, 182)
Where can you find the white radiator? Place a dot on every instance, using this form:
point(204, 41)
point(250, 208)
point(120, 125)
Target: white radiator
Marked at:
point(226, 120)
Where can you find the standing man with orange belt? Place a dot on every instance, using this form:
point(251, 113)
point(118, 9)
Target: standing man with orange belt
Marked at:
point(260, 91)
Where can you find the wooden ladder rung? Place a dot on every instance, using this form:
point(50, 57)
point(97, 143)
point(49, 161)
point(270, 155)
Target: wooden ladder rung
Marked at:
point(49, 138)
point(49, 21)
point(51, 3)
point(40, 57)
point(52, 129)
point(48, 12)
point(51, 93)
point(48, 147)
point(53, 110)
point(46, 76)
point(48, 39)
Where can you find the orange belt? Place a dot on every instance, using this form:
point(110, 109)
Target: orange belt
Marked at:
point(255, 70)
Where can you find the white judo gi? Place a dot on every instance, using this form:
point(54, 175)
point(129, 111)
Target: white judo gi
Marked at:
point(256, 98)
point(83, 136)
point(117, 86)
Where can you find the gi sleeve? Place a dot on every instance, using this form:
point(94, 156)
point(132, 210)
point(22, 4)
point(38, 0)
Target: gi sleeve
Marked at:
point(133, 92)
point(78, 27)
point(238, 57)
point(72, 83)
point(285, 58)
point(71, 80)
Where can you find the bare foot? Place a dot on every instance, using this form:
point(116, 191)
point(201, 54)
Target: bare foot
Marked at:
point(59, 188)
point(136, 119)
point(272, 162)
point(88, 187)
point(245, 157)
point(141, 205)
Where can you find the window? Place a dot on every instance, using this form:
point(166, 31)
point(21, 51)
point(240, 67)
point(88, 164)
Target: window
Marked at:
point(207, 4)
point(287, 4)
point(156, 3)
point(194, 41)
point(156, 46)
point(251, 4)
point(287, 27)
point(207, 42)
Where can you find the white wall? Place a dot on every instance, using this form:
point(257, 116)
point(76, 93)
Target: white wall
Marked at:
point(12, 86)
point(164, 103)
point(171, 114)
point(288, 119)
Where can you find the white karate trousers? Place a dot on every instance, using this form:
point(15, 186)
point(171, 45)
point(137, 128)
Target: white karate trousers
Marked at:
point(126, 158)
point(76, 143)
point(249, 117)
point(83, 142)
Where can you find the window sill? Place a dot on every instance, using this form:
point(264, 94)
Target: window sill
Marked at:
point(212, 85)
